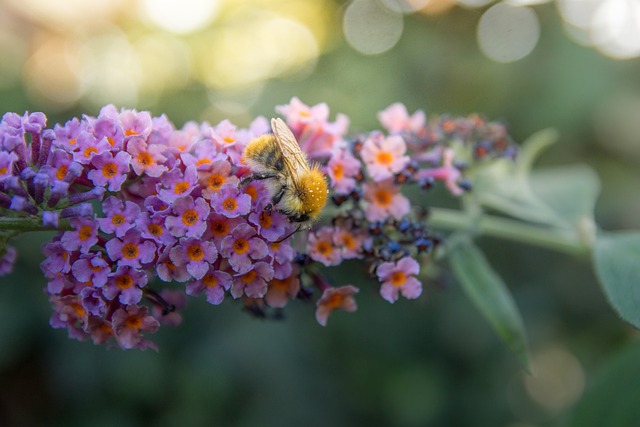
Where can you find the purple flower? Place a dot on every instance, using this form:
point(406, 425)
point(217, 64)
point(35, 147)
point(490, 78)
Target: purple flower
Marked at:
point(7, 260)
point(397, 278)
point(343, 168)
point(87, 146)
point(83, 237)
point(190, 217)
point(271, 225)
point(335, 299)
point(217, 174)
point(129, 323)
point(252, 283)
point(384, 157)
point(320, 247)
point(93, 301)
point(146, 159)
point(119, 216)
point(109, 169)
point(154, 229)
point(125, 283)
point(229, 202)
point(195, 254)
point(91, 268)
point(57, 260)
point(7, 158)
point(168, 271)
point(241, 247)
point(176, 183)
point(215, 283)
point(131, 250)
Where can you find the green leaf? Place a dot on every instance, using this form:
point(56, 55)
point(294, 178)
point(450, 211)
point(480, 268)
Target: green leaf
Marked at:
point(617, 263)
point(571, 191)
point(490, 295)
point(613, 400)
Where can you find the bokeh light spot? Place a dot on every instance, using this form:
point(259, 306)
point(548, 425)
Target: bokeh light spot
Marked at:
point(371, 28)
point(180, 16)
point(508, 33)
point(615, 28)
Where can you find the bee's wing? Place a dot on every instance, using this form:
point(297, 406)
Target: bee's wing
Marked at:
point(294, 159)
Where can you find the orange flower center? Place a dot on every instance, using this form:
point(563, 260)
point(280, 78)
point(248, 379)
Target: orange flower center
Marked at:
point(190, 217)
point(130, 132)
point(215, 182)
point(251, 191)
point(398, 278)
point(85, 232)
point(203, 161)
point(219, 228)
point(281, 285)
point(209, 280)
point(155, 230)
point(382, 197)
point(124, 281)
point(195, 252)
point(324, 248)
point(384, 158)
point(338, 171)
point(61, 172)
point(77, 308)
point(130, 250)
point(145, 159)
point(241, 246)
point(117, 219)
point(110, 170)
point(265, 220)
point(133, 322)
point(228, 139)
point(181, 187)
point(230, 204)
point(111, 141)
point(334, 301)
point(89, 151)
point(249, 277)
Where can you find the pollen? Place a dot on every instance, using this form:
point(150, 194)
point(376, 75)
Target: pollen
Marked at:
point(124, 281)
point(398, 278)
point(61, 172)
point(195, 252)
point(110, 170)
point(85, 232)
point(241, 246)
point(130, 250)
point(190, 217)
point(209, 280)
point(117, 219)
point(384, 158)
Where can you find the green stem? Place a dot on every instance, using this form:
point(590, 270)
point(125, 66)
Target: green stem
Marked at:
point(22, 225)
point(509, 229)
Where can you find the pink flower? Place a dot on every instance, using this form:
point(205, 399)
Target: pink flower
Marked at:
point(384, 200)
point(195, 254)
point(129, 323)
point(177, 183)
point(280, 291)
point(110, 170)
point(230, 202)
point(253, 283)
point(397, 278)
point(83, 237)
point(119, 216)
point(447, 173)
point(384, 157)
point(243, 246)
point(342, 169)
point(335, 299)
point(190, 217)
point(126, 283)
point(131, 250)
point(320, 247)
point(146, 158)
point(215, 283)
point(396, 119)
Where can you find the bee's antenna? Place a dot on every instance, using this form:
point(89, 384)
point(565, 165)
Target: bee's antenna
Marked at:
point(288, 235)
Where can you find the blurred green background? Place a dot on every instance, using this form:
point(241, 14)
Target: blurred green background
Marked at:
point(431, 362)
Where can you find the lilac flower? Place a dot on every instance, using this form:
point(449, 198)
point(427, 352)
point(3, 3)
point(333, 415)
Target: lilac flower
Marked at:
point(7, 260)
point(131, 250)
point(447, 173)
point(129, 323)
point(87, 146)
point(83, 237)
point(135, 124)
point(110, 170)
point(204, 157)
point(154, 229)
point(93, 301)
point(271, 225)
point(190, 217)
point(396, 119)
point(243, 246)
point(195, 254)
point(397, 279)
point(146, 159)
point(125, 283)
point(57, 260)
point(252, 283)
point(107, 126)
point(230, 203)
point(176, 183)
point(215, 283)
point(7, 158)
point(91, 268)
point(217, 174)
point(119, 216)
point(167, 270)
point(280, 291)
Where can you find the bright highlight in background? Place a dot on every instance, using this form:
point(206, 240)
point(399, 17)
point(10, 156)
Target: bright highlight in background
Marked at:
point(508, 33)
point(180, 16)
point(371, 28)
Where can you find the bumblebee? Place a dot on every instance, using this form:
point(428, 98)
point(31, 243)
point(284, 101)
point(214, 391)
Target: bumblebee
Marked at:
point(298, 189)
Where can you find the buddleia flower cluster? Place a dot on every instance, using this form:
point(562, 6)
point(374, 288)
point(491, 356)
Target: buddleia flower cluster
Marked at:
point(142, 206)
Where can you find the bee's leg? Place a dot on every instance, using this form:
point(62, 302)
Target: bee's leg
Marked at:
point(276, 199)
point(258, 177)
